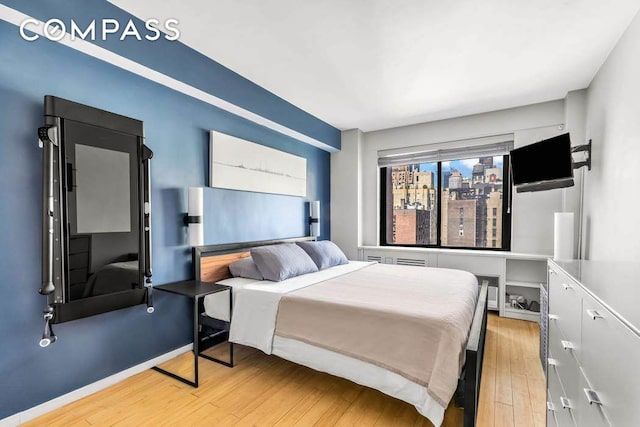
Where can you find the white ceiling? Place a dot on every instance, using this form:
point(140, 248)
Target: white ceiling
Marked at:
point(375, 64)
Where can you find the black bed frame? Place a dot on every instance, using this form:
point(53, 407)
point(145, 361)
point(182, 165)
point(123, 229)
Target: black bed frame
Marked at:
point(468, 390)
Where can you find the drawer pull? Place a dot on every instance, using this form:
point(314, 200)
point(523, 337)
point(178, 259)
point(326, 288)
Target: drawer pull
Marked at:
point(567, 286)
point(566, 403)
point(552, 362)
point(594, 314)
point(592, 397)
point(567, 345)
point(552, 316)
point(550, 406)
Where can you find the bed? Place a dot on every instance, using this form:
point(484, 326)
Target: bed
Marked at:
point(419, 339)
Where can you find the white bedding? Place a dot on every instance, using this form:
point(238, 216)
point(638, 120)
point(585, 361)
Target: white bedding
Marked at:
point(255, 308)
point(255, 303)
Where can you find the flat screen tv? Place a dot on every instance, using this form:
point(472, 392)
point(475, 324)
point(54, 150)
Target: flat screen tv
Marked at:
point(544, 165)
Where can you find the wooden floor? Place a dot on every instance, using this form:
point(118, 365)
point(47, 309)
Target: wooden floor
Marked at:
point(265, 390)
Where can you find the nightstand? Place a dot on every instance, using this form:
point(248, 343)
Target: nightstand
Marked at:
point(196, 289)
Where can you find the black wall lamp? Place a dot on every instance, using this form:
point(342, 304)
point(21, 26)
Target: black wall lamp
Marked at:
point(314, 218)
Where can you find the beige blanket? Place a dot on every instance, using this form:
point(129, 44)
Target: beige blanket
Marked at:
point(413, 321)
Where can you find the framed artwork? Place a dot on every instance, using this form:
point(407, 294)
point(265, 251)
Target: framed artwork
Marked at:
point(237, 164)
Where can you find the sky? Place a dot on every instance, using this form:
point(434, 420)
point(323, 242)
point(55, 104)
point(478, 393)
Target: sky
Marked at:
point(465, 166)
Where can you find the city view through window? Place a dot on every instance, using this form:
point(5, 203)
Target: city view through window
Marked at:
point(470, 202)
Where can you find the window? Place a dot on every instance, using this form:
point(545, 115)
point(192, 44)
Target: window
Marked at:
point(413, 206)
point(458, 203)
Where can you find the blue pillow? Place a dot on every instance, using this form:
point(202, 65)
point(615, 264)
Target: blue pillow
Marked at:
point(280, 262)
point(246, 268)
point(324, 253)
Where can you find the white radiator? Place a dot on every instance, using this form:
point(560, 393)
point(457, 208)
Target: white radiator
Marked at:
point(411, 261)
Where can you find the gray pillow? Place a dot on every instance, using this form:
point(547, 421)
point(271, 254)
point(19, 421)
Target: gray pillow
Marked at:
point(280, 262)
point(246, 268)
point(324, 253)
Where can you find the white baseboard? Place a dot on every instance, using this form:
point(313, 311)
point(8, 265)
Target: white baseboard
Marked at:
point(11, 421)
point(43, 408)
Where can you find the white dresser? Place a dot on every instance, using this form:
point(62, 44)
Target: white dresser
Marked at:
point(593, 365)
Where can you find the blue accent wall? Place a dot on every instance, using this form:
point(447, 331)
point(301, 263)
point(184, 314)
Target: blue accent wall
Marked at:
point(182, 63)
point(176, 129)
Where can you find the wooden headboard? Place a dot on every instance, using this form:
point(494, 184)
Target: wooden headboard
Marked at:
point(211, 263)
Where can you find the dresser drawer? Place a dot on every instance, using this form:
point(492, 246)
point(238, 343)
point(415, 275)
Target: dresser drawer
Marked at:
point(551, 412)
point(565, 307)
point(563, 412)
point(610, 363)
point(589, 413)
point(564, 364)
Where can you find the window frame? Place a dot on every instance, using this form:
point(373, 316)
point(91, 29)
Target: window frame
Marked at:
point(506, 211)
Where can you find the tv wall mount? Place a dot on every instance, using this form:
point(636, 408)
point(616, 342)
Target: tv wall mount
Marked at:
point(585, 148)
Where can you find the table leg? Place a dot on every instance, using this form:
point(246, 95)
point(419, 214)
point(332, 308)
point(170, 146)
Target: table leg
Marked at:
point(224, 362)
point(196, 352)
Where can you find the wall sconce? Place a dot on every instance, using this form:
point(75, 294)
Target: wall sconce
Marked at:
point(194, 218)
point(314, 218)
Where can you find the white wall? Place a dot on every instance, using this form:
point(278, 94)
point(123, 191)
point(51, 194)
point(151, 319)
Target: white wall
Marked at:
point(532, 213)
point(345, 194)
point(575, 120)
point(532, 230)
point(611, 203)
point(608, 112)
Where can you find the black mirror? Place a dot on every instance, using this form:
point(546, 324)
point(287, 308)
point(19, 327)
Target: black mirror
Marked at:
point(96, 213)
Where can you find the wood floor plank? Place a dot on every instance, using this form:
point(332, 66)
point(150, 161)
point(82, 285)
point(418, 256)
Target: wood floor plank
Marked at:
point(516, 349)
point(504, 415)
point(297, 412)
point(491, 342)
point(206, 415)
point(538, 395)
point(503, 363)
point(396, 414)
point(486, 404)
point(522, 411)
point(279, 402)
point(265, 390)
point(328, 411)
point(256, 390)
point(365, 410)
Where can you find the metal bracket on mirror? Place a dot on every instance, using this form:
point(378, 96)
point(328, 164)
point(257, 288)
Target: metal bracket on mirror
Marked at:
point(147, 155)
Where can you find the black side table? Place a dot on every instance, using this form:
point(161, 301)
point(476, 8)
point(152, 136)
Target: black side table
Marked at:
point(196, 289)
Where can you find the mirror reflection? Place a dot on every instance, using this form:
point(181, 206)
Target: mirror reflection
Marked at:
point(103, 202)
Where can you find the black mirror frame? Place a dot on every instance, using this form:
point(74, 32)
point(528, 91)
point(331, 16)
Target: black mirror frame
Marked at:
point(54, 231)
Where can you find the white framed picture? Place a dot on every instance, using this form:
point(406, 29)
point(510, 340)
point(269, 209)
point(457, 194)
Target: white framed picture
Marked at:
point(237, 164)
